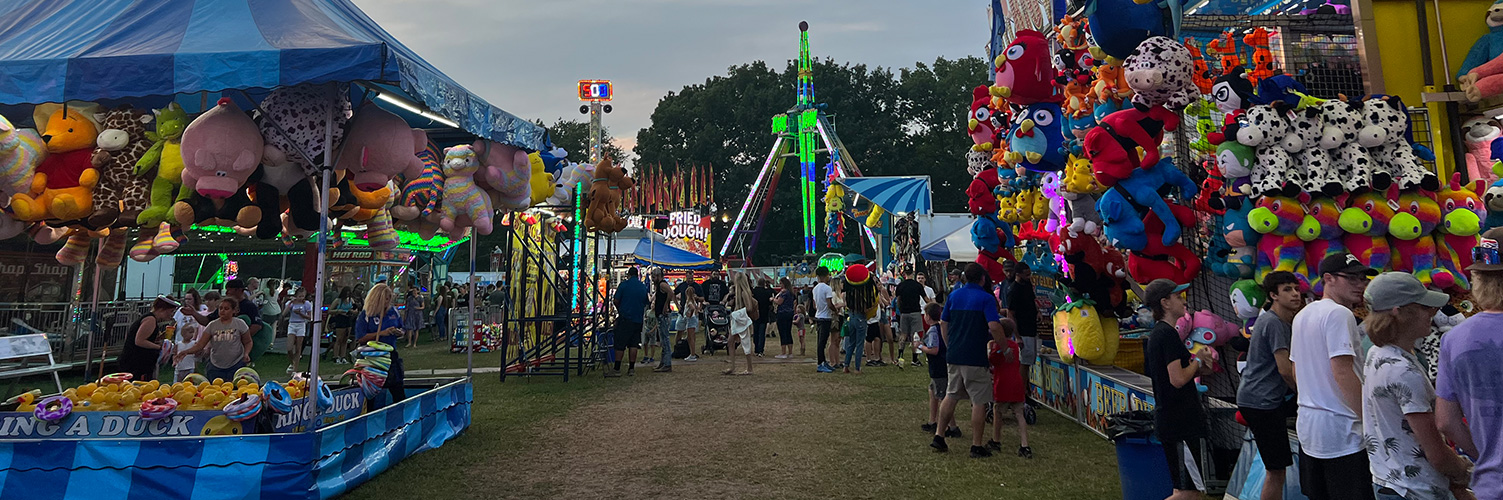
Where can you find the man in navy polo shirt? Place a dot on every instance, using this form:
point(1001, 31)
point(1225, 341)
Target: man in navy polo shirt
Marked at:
point(970, 320)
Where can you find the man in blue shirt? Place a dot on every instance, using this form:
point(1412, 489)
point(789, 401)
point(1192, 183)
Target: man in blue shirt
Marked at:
point(631, 302)
point(970, 320)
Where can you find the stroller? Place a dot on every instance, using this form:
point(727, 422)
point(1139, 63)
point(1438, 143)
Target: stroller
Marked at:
point(717, 329)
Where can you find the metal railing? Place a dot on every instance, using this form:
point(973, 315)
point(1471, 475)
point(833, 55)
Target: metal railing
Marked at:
point(67, 326)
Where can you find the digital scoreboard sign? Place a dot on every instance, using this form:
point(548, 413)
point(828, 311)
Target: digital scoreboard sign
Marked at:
point(595, 90)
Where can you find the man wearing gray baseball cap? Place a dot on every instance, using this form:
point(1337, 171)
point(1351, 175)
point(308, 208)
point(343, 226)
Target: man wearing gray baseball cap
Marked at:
point(1398, 402)
point(1327, 373)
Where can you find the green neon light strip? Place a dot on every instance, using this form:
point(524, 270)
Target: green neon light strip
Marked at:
point(407, 239)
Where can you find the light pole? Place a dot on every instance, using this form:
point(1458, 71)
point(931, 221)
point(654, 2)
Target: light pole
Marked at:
point(596, 93)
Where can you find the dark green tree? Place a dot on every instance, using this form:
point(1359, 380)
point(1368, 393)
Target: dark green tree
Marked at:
point(907, 123)
point(574, 137)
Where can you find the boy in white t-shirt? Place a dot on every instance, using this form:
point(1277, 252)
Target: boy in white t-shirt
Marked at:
point(1333, 460)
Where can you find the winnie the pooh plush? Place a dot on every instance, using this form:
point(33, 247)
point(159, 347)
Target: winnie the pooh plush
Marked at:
point(63, 186)
point(605, 197)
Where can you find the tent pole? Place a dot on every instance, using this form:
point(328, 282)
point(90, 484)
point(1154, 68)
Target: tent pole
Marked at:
point(469, 337)
point(93, 315)
point(469, 353)
point(323, 246)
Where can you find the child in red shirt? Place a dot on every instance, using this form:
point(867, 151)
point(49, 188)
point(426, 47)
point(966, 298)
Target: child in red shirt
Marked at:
point(1008, 389)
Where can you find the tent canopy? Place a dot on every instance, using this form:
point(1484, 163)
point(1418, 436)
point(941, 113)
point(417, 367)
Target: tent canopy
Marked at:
point(92, 50)
point(955, 246)
point(894, 194)
point(657, 253)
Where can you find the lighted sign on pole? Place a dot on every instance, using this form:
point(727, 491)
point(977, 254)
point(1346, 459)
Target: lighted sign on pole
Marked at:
point(595, 92)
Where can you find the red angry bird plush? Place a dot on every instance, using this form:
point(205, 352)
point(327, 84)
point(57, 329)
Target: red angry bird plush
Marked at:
point(983, 124)
point(1025, 71)
point(1126, 140)
point(980, 199)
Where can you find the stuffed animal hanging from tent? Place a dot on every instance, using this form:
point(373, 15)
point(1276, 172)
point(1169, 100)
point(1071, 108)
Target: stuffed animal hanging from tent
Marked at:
point(1035, 141)
point(1092, 271)
point(1392, 155)
point(285, 196)
point(1111, 83)
point(295, 120)
point(1079, 189)
point(1071, 32)
point(1241, 259)
point(1088, 335)
point(607, 189)
point(1414, 249)
point(464, 203)
point(1118, 26)
point(1321, 231)
point(1160, 73)
point(507, 174)
point(121, 195)
point(62, 186)
point(1461, 216)
point(982, 125)
point(1278, 219)
point(421, 202)
point(20, 152)
point(221, 150)
point(1025, 74)
point(378, 147)
point(1236, 163)
point(1342, 120)
point(165, 159)
point(1366, 221)
point(1482, 135)
point(1158, 260)
point(1202, 76)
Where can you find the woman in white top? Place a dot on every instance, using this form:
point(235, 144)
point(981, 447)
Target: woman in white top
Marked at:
point(299, 312)
point(1407, 456)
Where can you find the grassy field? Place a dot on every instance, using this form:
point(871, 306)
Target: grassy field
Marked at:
point(785, 432)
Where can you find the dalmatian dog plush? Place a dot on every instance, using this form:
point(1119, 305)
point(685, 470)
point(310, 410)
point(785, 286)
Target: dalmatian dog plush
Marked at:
point(1268, 131)
point(1310, 157)
point(1393, 157)
point(1341, 120)
point(1160, 72)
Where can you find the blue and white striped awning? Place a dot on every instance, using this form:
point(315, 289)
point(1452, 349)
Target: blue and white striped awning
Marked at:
point(900, 195)
point(97, 50)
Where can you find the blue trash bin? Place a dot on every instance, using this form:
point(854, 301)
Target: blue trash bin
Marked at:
point(1143, 470)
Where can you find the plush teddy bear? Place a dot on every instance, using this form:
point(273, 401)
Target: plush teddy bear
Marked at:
point(465, 204)
point(1278, 219)
point(164, 163)
point(63, 184)
point(21, 149)
point(1392, 156)
point(1321, 175)
point(606, 190)
point(1342, 120)
point(283, 188)
point(1025, 73)
point(1268, 131)
point(1461, 216)
point(1414, 249)
point(506, 174)
point(121, 195)
point(1482, 133)
point(221, 150)
point(982, 125)
point(1160, 73)
point(1321, 231)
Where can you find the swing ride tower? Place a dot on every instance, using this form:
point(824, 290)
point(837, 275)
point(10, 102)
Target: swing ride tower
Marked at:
point(804, 132)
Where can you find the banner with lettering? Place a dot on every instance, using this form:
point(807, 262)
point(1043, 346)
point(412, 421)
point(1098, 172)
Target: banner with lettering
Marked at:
point(1051, 383)
point(348, 403)
point(1101, 396)
point(104, 424)
point(33, 278)
point(687, 230)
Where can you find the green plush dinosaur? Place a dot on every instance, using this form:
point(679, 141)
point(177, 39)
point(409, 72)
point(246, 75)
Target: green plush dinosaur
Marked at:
point(166, 157)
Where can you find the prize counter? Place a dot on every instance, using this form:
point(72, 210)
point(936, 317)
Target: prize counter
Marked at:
point(201, 454)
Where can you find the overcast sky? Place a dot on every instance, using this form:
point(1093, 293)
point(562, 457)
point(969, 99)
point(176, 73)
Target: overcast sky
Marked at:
point(526, 56)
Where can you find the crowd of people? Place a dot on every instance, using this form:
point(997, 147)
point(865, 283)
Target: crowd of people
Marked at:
point(1372, 422)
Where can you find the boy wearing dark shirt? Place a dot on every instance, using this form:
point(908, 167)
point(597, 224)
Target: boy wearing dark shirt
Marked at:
point(1178, 416)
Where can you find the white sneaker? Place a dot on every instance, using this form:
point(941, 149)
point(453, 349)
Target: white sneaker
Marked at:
point(692, 358)
point(289, 369)
point(781, 356)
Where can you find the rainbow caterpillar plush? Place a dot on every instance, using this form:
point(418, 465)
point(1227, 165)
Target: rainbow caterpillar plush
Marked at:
point(1278, 219)
point(1414, 249)
point(1462, 213)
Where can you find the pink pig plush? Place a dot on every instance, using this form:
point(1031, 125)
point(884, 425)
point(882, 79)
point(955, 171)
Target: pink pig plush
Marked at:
point(220, 149)
point(378, 147)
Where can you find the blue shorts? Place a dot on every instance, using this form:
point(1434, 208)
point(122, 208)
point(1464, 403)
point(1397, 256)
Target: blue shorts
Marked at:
point(690, 322)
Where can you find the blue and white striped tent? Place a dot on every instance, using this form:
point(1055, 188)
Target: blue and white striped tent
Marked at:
point(956, 246)
point(102, 50)
point(902, 195)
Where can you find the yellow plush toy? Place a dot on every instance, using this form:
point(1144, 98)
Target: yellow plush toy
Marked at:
point(541, 182)
point(1086, 334)
point(63, 186)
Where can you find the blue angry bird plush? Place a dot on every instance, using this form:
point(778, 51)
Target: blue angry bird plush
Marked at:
point(1034, 142)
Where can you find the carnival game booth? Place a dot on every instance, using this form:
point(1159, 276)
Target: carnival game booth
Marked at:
point(321, 78)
